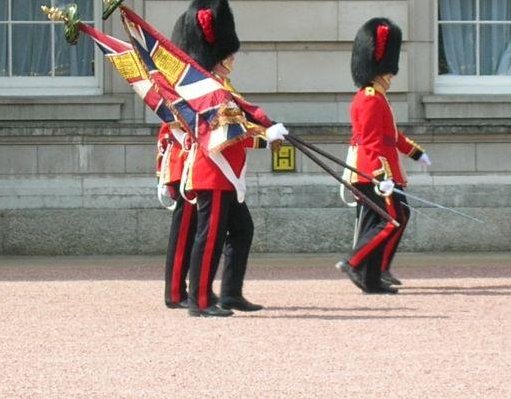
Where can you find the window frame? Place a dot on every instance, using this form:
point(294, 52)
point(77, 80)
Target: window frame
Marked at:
point(467, 84)
point(27, 86)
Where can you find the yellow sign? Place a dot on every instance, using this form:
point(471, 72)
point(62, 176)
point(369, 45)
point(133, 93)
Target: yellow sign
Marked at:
point(284, 159)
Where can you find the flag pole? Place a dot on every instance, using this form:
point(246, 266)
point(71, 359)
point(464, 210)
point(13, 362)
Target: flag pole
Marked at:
point(370, 203)
point(109, 6)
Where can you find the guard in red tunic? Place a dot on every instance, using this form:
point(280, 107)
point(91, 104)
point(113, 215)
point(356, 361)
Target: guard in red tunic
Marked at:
point(375, 149)
point(173, 145)
point(207, 33)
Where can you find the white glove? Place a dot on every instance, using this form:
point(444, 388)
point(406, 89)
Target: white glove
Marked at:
point(385, 188)
point(276, 132)
point(424, 160)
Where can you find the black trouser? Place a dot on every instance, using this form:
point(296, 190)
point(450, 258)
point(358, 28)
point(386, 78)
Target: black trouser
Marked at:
point(182, 232)
point(220, 219)
point(377, 239)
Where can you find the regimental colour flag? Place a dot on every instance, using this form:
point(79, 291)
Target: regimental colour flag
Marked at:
point(125, 60)
point(206, 104)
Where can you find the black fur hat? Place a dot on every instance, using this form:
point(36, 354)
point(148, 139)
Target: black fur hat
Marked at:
point(206, 32)
point(375, 51)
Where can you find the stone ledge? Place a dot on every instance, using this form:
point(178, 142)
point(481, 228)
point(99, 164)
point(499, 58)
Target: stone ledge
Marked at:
point(265, 191)
point(463, 107)
point(438, 131)
point(61, 108)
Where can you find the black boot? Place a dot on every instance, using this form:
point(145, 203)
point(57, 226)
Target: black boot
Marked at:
point(383, 289)
point(177, 305)
point(355, 275)
point(388, 278)
point(238, 303)
point(212, 311)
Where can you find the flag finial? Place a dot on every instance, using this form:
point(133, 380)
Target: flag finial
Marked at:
point(69, 15)
point(109, 7)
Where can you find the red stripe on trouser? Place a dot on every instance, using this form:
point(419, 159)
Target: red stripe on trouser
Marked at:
point(394, 240)
point(178, 262)
point(390, 247)
point(377, 239)
point(209, 250)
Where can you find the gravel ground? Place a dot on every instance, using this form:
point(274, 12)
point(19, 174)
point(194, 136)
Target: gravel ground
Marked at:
point(96, 327)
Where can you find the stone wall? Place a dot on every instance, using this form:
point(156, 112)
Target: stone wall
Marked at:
point(295, 55)
point(90, 190)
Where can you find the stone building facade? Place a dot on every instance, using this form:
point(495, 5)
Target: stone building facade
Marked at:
point(77, 162)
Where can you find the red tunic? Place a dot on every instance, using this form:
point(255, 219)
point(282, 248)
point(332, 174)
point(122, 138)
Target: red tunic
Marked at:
point(205, 174)
point(375, 141)
point(225, 170)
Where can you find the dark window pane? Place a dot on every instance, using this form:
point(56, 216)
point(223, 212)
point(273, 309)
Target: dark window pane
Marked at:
point(4, 11)
point(457, 10)
point(495, 10)
point(27, 10)
point(73, 60)
point(30, 10)
point(495, 50)
point(31, 52)
point(4, 51)
point(456, 48)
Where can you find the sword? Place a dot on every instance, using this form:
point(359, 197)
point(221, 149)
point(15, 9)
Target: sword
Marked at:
point(376, 182)
point(419, 212)
point(434, 204)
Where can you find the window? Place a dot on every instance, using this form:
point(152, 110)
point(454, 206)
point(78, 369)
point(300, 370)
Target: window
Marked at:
point(35, 59)
point(473, 43)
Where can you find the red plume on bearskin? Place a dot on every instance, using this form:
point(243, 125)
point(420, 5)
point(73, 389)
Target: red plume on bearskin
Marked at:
point(382, 36)
point(206, 32)
point(206, 22)
point(375, 51)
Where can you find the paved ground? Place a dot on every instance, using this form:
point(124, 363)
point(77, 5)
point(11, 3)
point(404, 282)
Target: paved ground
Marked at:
point(96, 327)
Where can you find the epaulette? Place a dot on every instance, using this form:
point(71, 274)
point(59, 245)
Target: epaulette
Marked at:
point(370, 91)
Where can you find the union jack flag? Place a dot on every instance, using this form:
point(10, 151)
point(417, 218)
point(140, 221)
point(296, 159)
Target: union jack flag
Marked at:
point(124, 58)
point(200, 98)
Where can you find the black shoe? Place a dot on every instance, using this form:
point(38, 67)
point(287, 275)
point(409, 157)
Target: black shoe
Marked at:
point(177, 305)
point(212, 311)
point(214, 298)
point(354, 274)
point(388, 278)
point(383, 289)
point(238, 303)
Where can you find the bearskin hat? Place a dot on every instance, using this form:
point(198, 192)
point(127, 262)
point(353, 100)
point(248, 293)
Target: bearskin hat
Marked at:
point(375, 51)
point(206, 32)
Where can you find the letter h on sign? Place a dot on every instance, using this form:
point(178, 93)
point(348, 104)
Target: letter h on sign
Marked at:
point(284, 159)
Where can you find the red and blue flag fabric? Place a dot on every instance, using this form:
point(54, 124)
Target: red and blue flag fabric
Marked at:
point(176, 88)
point(206, 103)
point(123, 57)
